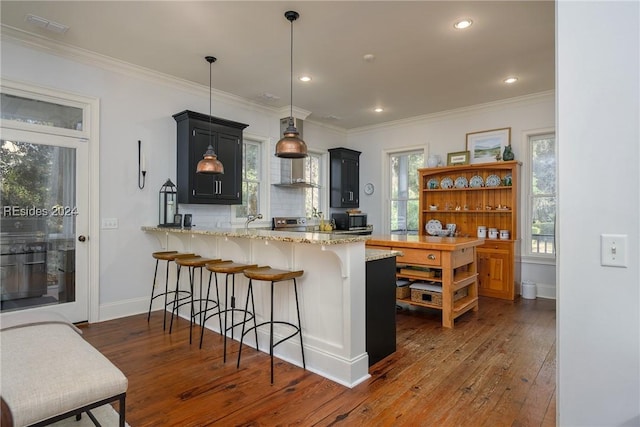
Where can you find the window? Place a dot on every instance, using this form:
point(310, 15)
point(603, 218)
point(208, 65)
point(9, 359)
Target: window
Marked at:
point(404, 191)
point(313, 174)
point(41, 112)
point(252, 161)
point(540, 232)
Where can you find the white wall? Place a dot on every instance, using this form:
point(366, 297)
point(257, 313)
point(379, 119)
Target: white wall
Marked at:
point(136, 105)
point(598, 139)
point(598, 46)
point(444, 133)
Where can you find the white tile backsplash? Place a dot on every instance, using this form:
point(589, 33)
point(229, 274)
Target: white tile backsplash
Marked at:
point(208, 216)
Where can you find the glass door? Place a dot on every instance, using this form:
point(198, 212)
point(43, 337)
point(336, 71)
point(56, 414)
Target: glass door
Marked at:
point(44, 223)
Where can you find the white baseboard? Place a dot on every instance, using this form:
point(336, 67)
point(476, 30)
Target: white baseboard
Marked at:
point(348, 373)
point(124, 308)
point(544, 290)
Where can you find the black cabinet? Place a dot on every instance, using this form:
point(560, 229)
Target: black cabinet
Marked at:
point(195, 132)
point(381, 308)
point(344, 178)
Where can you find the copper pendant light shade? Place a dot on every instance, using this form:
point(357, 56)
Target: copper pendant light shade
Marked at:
point(291, 146)
point(210, 163)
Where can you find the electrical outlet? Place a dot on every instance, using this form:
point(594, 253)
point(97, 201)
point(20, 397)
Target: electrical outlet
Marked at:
point(613, 250)
point(109, 223)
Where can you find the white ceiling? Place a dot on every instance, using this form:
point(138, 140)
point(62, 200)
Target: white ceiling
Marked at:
point(422, 64)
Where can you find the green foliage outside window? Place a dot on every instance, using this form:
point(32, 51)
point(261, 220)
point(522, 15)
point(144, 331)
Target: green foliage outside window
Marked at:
point(251, 172)
point(404, 191)
point(543, 193)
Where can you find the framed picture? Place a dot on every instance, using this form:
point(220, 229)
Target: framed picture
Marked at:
point(458, 158)
point(488, 145)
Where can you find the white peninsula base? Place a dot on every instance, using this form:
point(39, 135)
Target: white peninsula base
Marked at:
point(331, 292)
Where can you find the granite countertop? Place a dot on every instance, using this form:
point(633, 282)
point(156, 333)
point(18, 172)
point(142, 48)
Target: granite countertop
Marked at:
point(262, 234)
point(376, 254)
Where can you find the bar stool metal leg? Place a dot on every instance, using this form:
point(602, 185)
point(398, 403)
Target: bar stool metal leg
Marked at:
point(176, 298)
point(168, 257)
point(208, 316)
point(295, 290)
point(195, 263)
point(274, 276)
point(230, 269)
point(155, 274)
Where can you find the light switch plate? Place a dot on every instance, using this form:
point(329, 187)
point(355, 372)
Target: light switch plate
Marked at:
point(613, 250)
point(109, 223)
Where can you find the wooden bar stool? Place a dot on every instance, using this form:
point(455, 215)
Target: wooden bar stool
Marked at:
point(274, 276)
point(230, 269)
point(167, 256)
point(193, 263)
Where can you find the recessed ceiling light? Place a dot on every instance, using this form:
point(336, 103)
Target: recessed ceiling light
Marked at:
point(304, 78)
point(462, 24)
point(369, 57)
point(510, 80)
point(378, 109)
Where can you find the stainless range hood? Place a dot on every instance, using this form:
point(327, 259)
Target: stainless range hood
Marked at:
point(293, 173)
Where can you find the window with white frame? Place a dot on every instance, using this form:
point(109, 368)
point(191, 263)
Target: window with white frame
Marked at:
point(313, 201)
point(540, 240)
point(404, 191)
point(252, 177)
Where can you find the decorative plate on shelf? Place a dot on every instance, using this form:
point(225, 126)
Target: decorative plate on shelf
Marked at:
point(432, 184)
point(493, 181)
point(476, 181)
point(433, 227)
point(446, 183)
point(461, 182)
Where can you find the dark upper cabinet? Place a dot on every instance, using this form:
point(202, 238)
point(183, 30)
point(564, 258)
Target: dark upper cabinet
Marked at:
point(195, 132)
point(345, 178)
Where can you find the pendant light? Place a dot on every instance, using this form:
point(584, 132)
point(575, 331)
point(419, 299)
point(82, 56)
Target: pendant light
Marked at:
point(291, 146)
point(210, 163)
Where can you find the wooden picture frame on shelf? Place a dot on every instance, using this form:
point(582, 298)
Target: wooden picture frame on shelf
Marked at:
point(458, 158)
point(488, 145)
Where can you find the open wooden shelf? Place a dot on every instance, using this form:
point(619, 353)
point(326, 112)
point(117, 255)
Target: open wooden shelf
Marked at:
point(471, 207)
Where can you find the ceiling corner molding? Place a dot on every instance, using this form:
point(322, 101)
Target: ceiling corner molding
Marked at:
point(460, 112)
point(298, 112)
point(36, 42)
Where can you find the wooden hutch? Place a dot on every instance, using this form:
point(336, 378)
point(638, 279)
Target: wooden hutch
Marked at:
point(478, 195)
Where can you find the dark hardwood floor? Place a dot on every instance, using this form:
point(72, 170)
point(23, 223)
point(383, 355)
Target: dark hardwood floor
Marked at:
point(495, 368)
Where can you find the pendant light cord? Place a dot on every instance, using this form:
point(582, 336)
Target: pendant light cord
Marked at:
point(291, 79)
point(210, 67)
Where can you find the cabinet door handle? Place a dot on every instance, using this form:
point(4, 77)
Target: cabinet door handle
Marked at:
point(431, 256)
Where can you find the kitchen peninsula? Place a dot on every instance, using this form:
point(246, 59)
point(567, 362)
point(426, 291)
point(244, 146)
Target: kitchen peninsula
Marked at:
point(448, 263)
point(332, 290)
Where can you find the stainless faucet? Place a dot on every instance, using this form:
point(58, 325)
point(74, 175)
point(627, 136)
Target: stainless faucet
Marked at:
point(251, 218)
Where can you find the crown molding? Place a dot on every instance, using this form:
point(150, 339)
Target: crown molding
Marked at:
point(298, 113)
point(36, 42)
point(460, 112)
